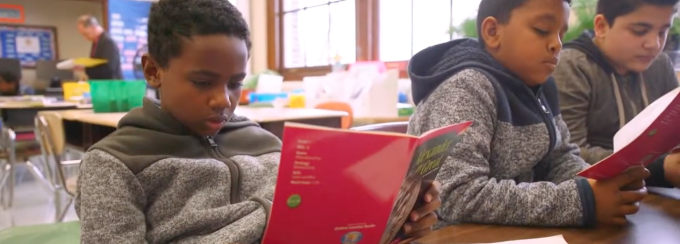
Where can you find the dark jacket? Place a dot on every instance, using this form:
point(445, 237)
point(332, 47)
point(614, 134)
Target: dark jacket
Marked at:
point(105, 48)
point(515, 165)
point(589, 87)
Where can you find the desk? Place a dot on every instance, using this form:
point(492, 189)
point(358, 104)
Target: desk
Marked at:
point(658, 222)
point(19, 116)
point(84, 127)
point(359, 121)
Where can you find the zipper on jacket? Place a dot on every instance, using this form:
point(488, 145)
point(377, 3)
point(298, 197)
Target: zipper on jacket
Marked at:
point(550, 123)
point(233, 169)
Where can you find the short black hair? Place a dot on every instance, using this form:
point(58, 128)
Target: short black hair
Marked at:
point(611, 9)
point(9, 77)
point(173, 21)
point(499, 9)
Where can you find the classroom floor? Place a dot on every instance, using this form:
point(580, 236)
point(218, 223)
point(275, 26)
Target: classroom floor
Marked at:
point(32, 204)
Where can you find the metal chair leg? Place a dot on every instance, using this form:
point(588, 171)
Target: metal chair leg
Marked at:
point(38, 175)
point(3, 182)
point(62, 215)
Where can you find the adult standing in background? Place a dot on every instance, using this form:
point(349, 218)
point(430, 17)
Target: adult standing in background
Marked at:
point(103, 47)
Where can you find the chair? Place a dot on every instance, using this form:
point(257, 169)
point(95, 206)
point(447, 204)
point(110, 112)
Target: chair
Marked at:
point(10, 151)
point(346, 121)
point(50, 134)
point(397, 127)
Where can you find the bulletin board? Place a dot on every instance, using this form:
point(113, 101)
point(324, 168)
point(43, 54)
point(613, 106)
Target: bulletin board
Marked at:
point(128, 28)
point(28, 43)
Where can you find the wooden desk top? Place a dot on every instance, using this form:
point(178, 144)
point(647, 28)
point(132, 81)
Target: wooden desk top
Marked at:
point(260, 115)
point(27, 105)
point(658, 222)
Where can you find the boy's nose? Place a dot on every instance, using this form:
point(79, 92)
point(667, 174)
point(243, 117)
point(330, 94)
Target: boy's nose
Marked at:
point(220, 101)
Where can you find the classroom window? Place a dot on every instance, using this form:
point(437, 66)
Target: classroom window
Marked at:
point(305, 35)
point(409, 26)
point(312, 33)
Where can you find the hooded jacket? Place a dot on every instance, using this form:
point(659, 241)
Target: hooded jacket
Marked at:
point(153, 181)
point(515, 165)
point(596, 101)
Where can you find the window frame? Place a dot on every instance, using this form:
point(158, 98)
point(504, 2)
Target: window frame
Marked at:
point(367, 41)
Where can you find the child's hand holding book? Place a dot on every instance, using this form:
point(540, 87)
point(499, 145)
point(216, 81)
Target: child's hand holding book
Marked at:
point(422, 219)
point(672, 168)
point(619, 196)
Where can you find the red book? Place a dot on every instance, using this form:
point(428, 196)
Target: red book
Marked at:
point(652, 133)
point(343, 186)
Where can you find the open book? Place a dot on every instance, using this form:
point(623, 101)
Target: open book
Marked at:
point(652, 133)
point(342, 186)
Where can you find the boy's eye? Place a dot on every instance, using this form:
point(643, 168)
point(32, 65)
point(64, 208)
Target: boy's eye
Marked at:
point(201, 83)
point(234, 85)
point(638, 32)
point(541, 32)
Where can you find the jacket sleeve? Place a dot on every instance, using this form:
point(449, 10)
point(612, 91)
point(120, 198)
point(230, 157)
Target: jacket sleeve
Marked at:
point(469, 193)
point(657, 177)
point(564, 162)
point(574, 96)
point(109, 201)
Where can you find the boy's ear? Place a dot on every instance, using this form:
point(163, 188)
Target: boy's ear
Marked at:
point(151, 71)
point(490, 33)
point(600, 26)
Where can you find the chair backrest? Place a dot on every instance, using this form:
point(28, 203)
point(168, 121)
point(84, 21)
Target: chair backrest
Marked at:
point(49, 143)
point(54, 125)
point(398, 127)
point(7, 144)
point(346, 121)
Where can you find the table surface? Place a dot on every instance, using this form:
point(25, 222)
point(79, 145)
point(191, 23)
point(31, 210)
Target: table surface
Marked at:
point(260, 115)
point(658, 222)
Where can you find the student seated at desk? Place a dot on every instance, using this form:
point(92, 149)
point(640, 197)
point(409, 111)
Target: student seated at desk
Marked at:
point(605, 82)
point(186, 170)
point(515, 165)
point(10, 85)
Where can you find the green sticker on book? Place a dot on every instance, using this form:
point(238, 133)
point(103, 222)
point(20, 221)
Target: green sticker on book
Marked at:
point(294, 201)
point(652, 133)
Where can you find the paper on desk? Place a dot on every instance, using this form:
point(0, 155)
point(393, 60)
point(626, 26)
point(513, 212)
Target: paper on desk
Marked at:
point(546, 240)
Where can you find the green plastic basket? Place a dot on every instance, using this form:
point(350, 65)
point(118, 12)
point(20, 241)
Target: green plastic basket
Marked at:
point(110, 96)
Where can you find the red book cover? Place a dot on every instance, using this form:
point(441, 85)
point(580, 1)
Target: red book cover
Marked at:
point(652, 133)
point(347, 187)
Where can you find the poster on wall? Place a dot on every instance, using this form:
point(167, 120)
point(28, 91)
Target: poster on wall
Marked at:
point(127, 27)
point(29, 44)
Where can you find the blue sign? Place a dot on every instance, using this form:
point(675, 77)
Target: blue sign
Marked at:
point(28, 44)
point(127, 27)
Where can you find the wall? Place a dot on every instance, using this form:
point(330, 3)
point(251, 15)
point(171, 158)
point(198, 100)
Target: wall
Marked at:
point(62, 14)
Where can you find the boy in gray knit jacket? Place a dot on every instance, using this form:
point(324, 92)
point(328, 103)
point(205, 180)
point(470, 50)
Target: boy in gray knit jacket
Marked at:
point(515, 165)
point(185, 169)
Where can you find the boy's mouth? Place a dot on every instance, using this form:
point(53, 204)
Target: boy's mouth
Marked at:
point(216, 122)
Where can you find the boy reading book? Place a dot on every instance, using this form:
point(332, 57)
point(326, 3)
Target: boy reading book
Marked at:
point(515, 165)
point(186, 170)
point(605, 82)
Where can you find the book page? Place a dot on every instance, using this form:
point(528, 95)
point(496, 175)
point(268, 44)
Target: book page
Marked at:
point(633, 129)
point(546, 240)
point(427, 158)
point(649, 135)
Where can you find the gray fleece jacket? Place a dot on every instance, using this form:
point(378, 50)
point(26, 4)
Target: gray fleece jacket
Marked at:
point(515, 165)
point(596, 101)
point(152, 181)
